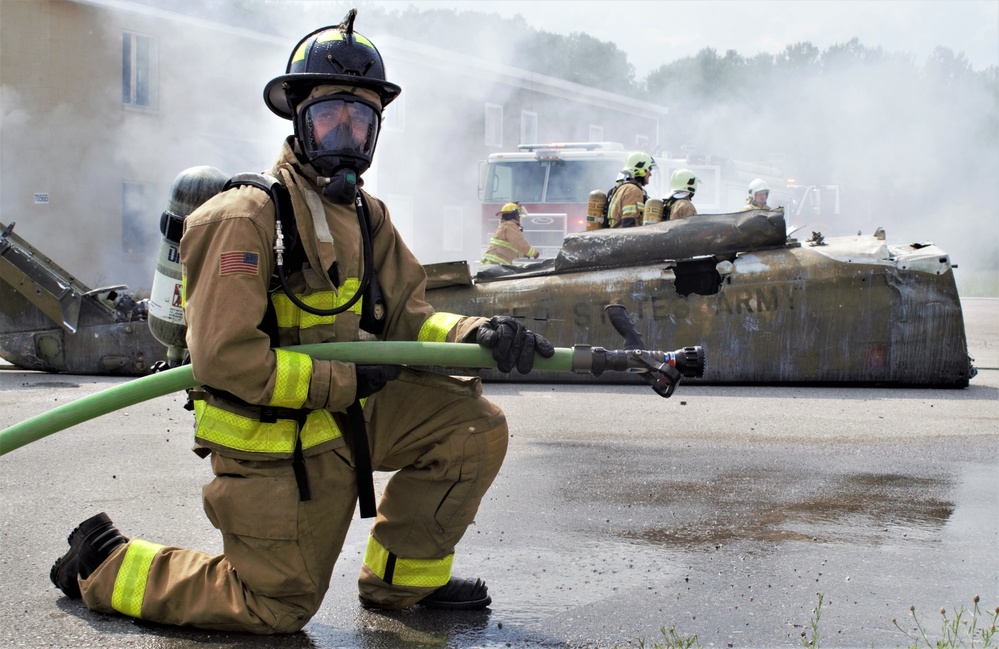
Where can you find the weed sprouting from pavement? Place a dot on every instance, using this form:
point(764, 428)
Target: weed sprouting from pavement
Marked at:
point(954, 632)
point(816, 614)
point(671, 640)
point(966, 630)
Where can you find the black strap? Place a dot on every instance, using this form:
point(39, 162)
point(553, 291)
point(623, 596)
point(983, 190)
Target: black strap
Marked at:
point(294, 255)
point(301, 475)
point(668, 207)
point(373, 303)
point(362, 460)
point(389, 568)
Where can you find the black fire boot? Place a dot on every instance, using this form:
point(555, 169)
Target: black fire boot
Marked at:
point(459, 594)
point(90, 544)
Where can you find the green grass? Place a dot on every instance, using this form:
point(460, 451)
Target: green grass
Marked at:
point(972, 629)
point(965, 629)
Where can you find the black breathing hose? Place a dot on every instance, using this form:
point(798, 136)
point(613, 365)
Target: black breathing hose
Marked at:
point(368, 262)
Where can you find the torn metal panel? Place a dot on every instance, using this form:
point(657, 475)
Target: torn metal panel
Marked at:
point(52, 322)
point(766, 310)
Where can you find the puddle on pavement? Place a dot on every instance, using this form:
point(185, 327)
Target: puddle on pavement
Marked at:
point(764, 506)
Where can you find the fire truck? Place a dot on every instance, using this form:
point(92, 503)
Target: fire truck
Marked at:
point(553, 181)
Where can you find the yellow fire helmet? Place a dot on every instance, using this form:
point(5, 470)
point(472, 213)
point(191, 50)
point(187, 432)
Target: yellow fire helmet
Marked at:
point(684, 180)
point(639, 164)
point(511, 211)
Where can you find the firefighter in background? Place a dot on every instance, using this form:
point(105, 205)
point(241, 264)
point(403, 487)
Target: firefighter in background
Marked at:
point(758, 194)
point(508, 241)
point(279, 426)
point(626, 200)
point(683, 184)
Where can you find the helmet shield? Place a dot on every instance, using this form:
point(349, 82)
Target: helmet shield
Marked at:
point(338, 130)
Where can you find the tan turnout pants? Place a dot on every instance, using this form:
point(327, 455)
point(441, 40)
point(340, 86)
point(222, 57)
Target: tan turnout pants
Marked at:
point(445, 442)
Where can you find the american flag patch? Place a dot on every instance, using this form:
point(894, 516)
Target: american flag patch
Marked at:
point(238, 263)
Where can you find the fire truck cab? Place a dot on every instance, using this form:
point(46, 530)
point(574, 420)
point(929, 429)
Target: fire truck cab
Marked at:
point(552, 181)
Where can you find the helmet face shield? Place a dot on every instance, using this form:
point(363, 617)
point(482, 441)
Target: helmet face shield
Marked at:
point(338, 130)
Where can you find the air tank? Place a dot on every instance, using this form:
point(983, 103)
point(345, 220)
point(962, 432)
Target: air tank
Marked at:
point(595, 209)
point(653, 211)
point(192, 187)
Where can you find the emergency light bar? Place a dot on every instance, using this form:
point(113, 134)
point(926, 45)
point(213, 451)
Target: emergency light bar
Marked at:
point(588, 146)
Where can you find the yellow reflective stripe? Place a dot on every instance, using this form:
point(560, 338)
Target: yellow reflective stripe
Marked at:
point(629, 210)
point(320, 427)
point(183, 291)
point(502, 243)
point(437, 326)
point(234, 431)
point(242, 433)
point(336, 35)
point(291, 383)
point(130, 584)
point(530, 253)
point(493, 259)
point(423, 573)
point(290, 316)
point(325, 37)
point(299, 53)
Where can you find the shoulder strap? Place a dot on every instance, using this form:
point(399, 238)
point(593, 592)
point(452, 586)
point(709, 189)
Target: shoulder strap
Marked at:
point(607, 202)
point(294, 251)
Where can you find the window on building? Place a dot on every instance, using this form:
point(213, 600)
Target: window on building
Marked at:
point(138, 227)
point(454, 232)
point(596, 133)
point(528, 127)
point(138, 70)
point(394, 118)
point(494, 125)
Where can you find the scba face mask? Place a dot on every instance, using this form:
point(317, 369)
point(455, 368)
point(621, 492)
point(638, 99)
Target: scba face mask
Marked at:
point(338, 134)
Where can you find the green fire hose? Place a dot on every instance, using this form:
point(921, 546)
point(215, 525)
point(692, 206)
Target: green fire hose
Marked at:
point(662, 370)
point(453, 355)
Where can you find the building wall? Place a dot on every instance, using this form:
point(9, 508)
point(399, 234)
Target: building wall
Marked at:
point(67, 132)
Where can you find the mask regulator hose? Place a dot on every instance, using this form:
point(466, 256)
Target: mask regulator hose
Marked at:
point(368, 261)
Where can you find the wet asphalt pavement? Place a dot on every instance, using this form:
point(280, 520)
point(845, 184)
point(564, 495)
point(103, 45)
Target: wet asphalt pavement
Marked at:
point(723, 511)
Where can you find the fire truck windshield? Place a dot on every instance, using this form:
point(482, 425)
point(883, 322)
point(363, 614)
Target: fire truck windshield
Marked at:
point(548, 181)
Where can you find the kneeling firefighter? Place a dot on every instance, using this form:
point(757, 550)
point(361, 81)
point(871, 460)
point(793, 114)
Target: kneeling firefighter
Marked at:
point(304, 255)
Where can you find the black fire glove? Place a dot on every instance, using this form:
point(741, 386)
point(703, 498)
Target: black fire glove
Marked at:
point(372, 378)
point(513, 344)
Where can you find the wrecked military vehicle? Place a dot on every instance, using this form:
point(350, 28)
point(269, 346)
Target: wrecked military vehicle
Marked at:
point(766, 308)
point(52, 322)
